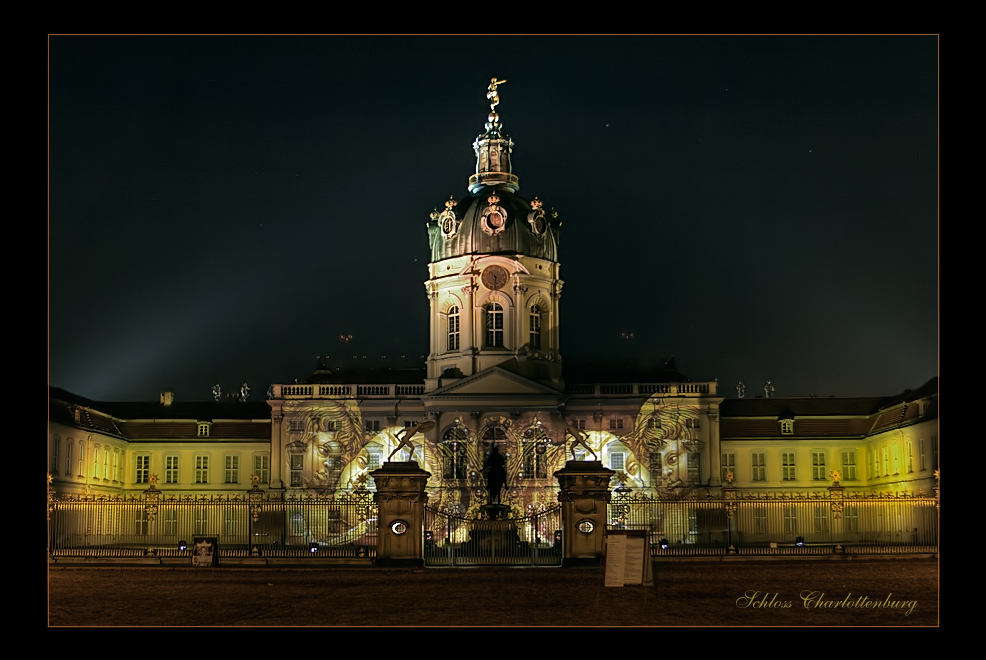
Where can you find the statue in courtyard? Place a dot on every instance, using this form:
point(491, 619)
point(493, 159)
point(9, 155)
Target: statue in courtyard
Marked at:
point(496, 475)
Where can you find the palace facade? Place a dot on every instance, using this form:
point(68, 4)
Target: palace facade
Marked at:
point(494, 375)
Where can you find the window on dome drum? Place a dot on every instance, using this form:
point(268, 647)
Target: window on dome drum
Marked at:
point(143, 469)
point(818, 466)
point(201, 469)
point(170, 469)
point(849, 465)
point(759, 467)
point(494, 325)
point(728, 465)
point(232, 472)
point(536, 326)
point(453, 328)
point(787, 465)
point(261, 467)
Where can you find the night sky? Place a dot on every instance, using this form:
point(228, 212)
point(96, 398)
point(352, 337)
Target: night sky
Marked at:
point(223, 209)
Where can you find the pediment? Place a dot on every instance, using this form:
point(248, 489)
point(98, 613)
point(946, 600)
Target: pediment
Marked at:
point(495, 381)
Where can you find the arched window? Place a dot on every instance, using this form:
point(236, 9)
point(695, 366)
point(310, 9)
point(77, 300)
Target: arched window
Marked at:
point(453, 328)
point(455, 445)
point(535, 327)
point(494, 325)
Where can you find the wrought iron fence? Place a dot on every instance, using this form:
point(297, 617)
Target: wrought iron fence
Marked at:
point(779, 524)
point(254, 525)
point(451, 540)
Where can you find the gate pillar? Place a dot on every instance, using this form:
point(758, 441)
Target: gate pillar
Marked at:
point(584, 497)
point(400, 500)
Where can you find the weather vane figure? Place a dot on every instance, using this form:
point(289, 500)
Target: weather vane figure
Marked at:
point(217, 391)
point(403, 437)
point(493, 95)
point(740, 390)
point(244, 391)
point(580, 438)
point(768, 389)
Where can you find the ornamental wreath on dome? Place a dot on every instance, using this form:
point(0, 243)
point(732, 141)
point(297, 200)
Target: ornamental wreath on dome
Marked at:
point(447, 220)
point(494, 218)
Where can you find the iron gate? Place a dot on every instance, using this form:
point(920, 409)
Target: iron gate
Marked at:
point(452, 540)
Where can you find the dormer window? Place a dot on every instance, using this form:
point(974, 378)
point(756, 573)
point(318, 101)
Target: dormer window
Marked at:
point(204, 428)
point(787, 427)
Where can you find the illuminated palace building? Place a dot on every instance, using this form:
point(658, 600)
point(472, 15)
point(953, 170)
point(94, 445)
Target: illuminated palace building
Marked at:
point(494, 376)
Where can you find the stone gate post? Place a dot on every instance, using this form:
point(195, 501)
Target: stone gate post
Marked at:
point(584, 497)
point(400, 500)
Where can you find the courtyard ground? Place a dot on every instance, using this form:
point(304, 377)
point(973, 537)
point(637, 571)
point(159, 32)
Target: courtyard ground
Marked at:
point(750, 593)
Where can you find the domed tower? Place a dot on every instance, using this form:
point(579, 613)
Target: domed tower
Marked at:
point(493, 281)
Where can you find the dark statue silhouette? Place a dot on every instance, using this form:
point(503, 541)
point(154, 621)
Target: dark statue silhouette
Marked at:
point(496, 475)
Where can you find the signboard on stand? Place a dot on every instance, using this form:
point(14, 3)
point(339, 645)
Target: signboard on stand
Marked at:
point(625, 558)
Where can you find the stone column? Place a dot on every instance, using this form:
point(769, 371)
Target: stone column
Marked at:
point(584, 497)
point(400, 499)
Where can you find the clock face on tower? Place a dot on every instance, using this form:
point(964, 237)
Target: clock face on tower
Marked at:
point(495, 277)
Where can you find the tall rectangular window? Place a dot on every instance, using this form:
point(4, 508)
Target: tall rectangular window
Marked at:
point(818, 466)
point(850, 517)
point(759, 467)
point(143, 470)
point(910, 456)
point(760, 520)
point(923, 454)
point(297, 465)
point(790, 519)
point(453, 328)
point(728, 465)
point(201, 521)
point(536, 327)
point(261, 467)
point(82, 458)
point(849, 465)
point(68, 457)
point(116, 466)
point(821, 519)
point(170, 522)
point(896, 454)
point(787, 467)
point(886, 461)
point(106, 463)
point(201, 469)
point(494, 325)
point(170, 469)
point(95, 461)
point(694, 467)
point(617, 460)
point(232, 472)
point(55, 447)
